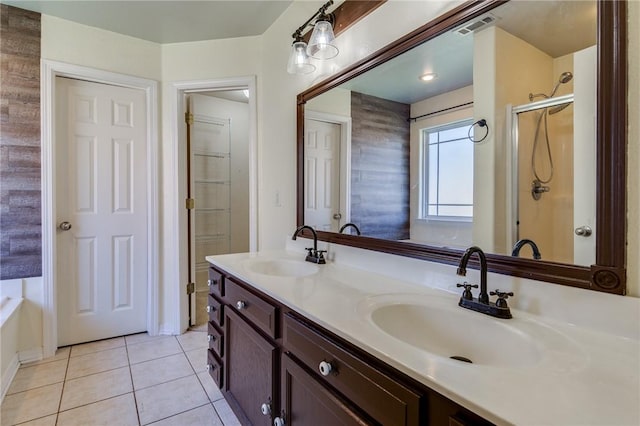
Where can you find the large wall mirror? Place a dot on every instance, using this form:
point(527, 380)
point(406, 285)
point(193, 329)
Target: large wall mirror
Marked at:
point(498, 124)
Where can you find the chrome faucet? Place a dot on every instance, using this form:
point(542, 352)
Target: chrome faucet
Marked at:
point(500, 309)
point(347, 225)
point(314, 255)
point(521, 243)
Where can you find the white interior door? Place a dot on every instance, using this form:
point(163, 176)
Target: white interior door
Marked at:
point(101, 193)
point(322, 209)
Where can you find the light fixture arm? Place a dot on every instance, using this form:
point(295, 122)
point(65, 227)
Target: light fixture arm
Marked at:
point(297, 35)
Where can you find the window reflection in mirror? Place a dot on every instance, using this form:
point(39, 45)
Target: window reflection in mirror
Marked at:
point(376, 179)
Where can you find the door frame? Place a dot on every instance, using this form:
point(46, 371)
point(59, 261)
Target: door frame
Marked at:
point(174, 189)
point(345, 155)
point(49, 71)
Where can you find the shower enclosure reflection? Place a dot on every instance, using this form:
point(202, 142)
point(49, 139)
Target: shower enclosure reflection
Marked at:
point(553, 160)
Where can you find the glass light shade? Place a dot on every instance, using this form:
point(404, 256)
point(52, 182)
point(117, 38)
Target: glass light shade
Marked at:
point(299, 62)
point(321, 42)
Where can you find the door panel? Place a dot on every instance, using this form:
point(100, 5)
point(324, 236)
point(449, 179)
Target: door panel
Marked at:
point(322, 175)
point(101, 189)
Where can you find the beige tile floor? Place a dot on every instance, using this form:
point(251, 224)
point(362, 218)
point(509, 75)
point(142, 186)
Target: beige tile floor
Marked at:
point(130, 380)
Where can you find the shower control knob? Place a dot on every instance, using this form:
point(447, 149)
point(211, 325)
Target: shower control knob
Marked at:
point(584, 231)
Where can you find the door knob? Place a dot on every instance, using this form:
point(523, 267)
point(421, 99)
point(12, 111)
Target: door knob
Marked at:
point(65, 226)
point(584, 231)
point(337, 216)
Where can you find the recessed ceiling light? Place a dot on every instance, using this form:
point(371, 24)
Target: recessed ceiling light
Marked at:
point(428, 77)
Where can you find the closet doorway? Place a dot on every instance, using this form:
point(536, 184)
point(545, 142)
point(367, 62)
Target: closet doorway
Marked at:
point(217, 185)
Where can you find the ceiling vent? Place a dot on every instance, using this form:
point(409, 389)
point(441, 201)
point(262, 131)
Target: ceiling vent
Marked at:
point(475, 25)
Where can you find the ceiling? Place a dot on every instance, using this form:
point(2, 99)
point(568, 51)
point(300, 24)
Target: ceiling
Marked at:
point(166, 21)
point(555, 27)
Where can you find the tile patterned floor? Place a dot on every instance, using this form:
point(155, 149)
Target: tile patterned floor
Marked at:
point(131, 380)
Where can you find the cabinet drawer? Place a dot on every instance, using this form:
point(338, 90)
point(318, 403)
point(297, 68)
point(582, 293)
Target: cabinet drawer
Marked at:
point(385, 400)
point(214, 365)
point(216, 282)
point(216, 339)
point(214, 308)
point(305, 401)
point(257, 310)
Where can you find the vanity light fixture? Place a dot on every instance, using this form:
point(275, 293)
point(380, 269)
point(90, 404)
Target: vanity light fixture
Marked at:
point(429, 76)
point(321, 44)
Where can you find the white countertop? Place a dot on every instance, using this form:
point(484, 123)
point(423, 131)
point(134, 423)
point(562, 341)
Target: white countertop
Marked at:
point(583, 376)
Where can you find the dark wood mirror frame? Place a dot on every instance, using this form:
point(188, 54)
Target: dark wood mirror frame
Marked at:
point(609, 272)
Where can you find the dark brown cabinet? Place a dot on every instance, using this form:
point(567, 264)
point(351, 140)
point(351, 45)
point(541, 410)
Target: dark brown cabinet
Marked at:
point(274, 365)
point(251, 369)
point(305, 401)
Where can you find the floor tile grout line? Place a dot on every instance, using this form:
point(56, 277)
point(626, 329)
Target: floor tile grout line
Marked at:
point(161, 383)
point(154, 359)
point(177, 414)
point(133, 387)
point(95, 402)
point(64, 382)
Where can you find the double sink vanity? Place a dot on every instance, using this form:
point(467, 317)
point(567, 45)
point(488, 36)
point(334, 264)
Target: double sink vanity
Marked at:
point(293, 342)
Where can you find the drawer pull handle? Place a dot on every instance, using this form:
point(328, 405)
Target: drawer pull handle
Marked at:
point(210, 309)
point(211, 367)
point(212, 282)
point(266, 409)
point(325, 368)
point(211, 338)
point(240, 305)
point(278, 421)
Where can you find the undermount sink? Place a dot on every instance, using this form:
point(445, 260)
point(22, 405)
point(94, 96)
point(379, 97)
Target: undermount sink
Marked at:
point(282, 267)
point(431, 325)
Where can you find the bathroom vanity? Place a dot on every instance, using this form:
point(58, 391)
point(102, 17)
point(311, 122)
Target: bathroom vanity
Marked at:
point(334, 344)
point(273, 363)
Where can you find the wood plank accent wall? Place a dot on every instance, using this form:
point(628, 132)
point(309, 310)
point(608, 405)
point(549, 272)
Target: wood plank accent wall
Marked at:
point(380, 167)
point(20, 193)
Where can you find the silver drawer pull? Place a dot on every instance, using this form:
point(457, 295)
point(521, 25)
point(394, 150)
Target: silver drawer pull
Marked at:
point(325, 368)
point(278, 421)
point(211, 338)
point(240, 305)
point(211, 309)
point(211, 282)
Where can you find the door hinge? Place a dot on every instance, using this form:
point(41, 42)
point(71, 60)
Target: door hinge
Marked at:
point(188, 118)
point(190, 203)
point(191, 288)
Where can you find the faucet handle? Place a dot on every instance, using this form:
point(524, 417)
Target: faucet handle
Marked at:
point(502, 297)
point(466, 294)
point(320, 253)
point(310, 250)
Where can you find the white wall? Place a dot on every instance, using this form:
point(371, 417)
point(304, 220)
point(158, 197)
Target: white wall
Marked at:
point(78, 44)
point(335, 101)
point(438, 233)
point(238, 113)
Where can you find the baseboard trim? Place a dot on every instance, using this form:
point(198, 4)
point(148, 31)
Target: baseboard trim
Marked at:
point(7, 376)
point(31, 355)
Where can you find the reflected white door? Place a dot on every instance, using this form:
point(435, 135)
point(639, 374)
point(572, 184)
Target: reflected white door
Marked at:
point(101, 187)
point(322, 175)
point(584, 152)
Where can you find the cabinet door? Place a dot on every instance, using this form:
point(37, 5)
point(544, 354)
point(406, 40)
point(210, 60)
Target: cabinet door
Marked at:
point(306, 402)
point(250, 369)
